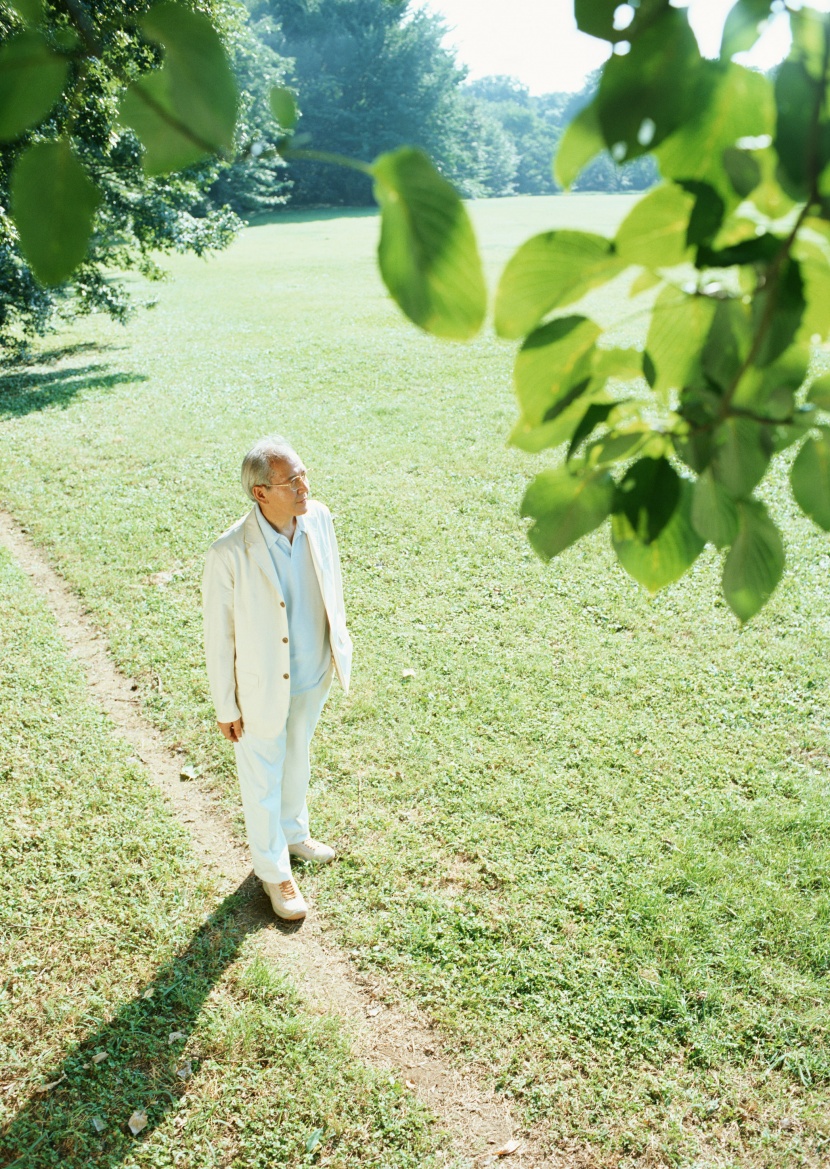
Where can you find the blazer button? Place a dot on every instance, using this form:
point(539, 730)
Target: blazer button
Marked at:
point(285, 676)
point(285, 641)
point(282, 604)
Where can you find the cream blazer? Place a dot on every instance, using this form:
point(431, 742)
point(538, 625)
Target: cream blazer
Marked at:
point(246, 624)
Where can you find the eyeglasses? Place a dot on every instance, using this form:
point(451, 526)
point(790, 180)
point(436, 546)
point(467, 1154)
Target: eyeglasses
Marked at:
point(295, 482)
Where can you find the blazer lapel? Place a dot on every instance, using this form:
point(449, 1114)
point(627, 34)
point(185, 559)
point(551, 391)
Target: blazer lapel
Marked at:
point(255, 543)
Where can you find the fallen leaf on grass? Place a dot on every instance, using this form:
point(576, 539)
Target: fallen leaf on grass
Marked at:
point(372, 1011)
point(409, 1083)
point(189, 772)
point(314, 1140)
point(174, 1035)
point(99, 1057)
point(148, 994)
point(408, 674)
point(98, 1124)
point(185, 1071)
point(49, 1087)
point(511, 1147)
point(137, 1122)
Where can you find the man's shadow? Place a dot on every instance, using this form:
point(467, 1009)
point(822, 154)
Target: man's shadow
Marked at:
point(83, 1119)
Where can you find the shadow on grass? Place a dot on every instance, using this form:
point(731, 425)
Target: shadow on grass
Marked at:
point(143, 1071)
point(26, 390)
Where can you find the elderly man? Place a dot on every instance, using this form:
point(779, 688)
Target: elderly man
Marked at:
point(275, 632)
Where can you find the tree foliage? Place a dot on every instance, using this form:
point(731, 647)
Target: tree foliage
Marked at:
point(735, 246)
point(532, 128)
point(78, 202)
point(372, 75)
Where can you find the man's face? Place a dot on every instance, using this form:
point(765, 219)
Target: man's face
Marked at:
point(286, 495)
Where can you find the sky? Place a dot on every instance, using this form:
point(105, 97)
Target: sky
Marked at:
point(538, 41)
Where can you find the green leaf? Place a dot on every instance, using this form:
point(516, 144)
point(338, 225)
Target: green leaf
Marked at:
point(707, 213)
point(427, 252)
point(646, 280)
point(186, 110)
point(743, 26)
point(32, 78)
point(654, 231)
point(579, 145)
point(664, 559)
point(598, 17)
point(755, 561)
point(786, 318)
point(743, 170)
point(594, 416)
point(53, 203)
point(620, 446)
point(645, 95)
point(740, 105)
point(314, 1140)
point(785, 434)
point(770, 391)
point(30, 10)
point(647, 496)
point(810, 480)
point(742, 452)
point(728, 343)
point(542, 436)
point(553, 367)
point(795, 96)
point(819, 393)
point(547, 272)
point(714, 511)
point(815, 272)
point(679, 324)
point(283, 107)
point(808, 26)
point(621, 364)
point(565, 508)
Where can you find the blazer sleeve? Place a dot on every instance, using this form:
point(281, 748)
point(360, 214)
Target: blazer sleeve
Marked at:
point(220, 649)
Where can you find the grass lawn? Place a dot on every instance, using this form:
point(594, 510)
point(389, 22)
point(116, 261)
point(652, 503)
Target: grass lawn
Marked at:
point(590, 833)
point(125, 988)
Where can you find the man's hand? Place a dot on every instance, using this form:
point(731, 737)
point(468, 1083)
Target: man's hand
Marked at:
point(231, 731)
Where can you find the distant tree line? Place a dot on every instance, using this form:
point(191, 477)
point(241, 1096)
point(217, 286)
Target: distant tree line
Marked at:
point(371, 75)
point(532, 127)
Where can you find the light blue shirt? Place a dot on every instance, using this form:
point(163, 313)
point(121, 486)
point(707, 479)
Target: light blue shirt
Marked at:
point(308, 627)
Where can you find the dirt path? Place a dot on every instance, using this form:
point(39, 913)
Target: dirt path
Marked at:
point(398, 1038)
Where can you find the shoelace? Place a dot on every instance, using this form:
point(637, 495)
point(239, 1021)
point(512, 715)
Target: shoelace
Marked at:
point(287, 889)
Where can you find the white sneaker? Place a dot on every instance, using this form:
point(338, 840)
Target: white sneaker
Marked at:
point(286, 900)
point(312, 850)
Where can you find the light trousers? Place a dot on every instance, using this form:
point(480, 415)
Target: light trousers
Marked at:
point(273, 780)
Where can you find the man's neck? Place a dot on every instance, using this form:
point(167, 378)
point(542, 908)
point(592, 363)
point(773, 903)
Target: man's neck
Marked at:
point(285, 528)
point(286, 525)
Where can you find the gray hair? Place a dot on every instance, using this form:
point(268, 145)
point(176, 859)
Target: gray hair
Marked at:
point(256, 466)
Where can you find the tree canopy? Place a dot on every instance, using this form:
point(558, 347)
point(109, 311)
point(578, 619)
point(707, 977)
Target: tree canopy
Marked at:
point(66, 159)
point(532, 128)
point(373, 75)
point(731, 254)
